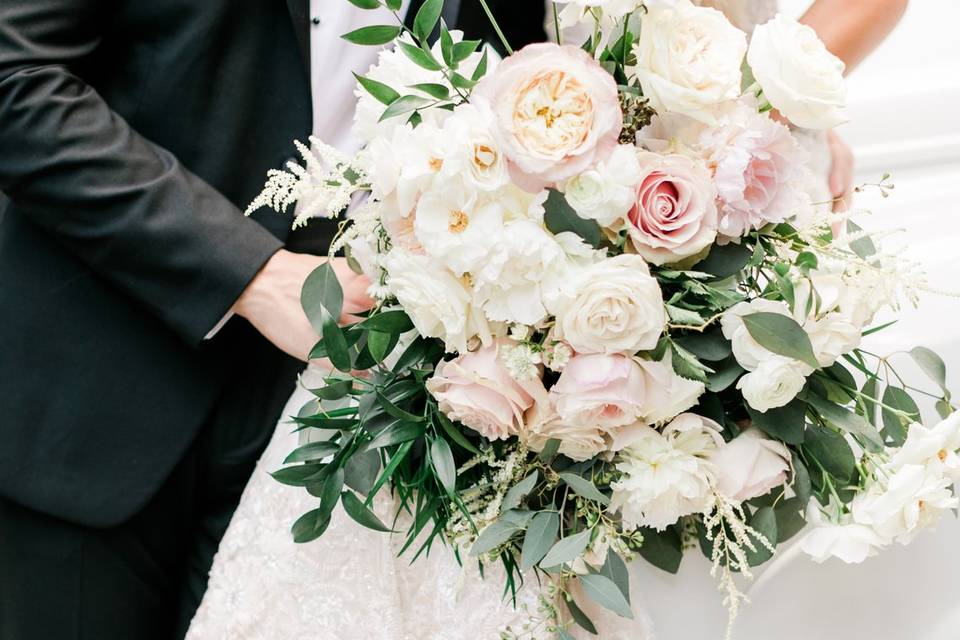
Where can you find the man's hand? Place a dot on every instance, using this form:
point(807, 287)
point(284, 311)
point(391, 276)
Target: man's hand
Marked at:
point(271, 302)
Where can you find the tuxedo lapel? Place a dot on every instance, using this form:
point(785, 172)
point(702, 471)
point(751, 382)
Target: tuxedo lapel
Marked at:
point(300, 14)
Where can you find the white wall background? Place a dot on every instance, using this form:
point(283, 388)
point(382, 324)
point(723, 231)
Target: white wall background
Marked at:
point(905, 120)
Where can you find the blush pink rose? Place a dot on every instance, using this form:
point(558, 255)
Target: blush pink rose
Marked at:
point(675, 213)
point(604, 390)
point(556, 110)
point(750, 465)
point(477, 390)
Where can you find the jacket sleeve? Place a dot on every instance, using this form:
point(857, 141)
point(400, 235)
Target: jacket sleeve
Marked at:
point(123, 205)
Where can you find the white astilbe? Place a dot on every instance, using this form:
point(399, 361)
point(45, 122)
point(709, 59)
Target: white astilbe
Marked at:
point(324, 187)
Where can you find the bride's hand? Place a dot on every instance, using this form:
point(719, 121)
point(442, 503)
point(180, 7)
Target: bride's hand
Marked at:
point(271, 302)
point(841, 172)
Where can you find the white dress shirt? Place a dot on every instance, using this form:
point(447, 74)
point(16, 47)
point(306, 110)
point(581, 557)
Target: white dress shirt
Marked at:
point(332, 84)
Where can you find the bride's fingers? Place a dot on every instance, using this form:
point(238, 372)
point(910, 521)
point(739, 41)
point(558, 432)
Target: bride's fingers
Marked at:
point(841, 172)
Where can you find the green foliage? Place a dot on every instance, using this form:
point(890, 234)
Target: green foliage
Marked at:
point(559, 217)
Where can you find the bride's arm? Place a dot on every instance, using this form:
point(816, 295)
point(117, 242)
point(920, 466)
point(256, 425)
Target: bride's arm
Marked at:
point(852, 29)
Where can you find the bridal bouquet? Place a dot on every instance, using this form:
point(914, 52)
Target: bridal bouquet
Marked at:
point(610, 321)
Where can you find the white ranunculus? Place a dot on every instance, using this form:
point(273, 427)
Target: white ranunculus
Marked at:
point(746, 350)
point(832, 336)
point(439, 303)
point(606, 191)
point(750, 465)
point(511, 281)
point(798, 75)
point(688, 59)
point(899, 506)
point(457, 227)
point(667, 394)
point(851, 542)
point(612, 306)
point(935, 447)
point(666, 475)
point(775, 382)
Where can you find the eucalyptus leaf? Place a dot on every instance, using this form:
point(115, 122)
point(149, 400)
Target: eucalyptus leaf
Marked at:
point(444, 465)
point(790, 519)
point(493, 536)
point(726, 260)
point(604, 592)
point(710, 345)
point(582, 619)
point(764, 521)
point(662, 549)
point(549, 451)
point(540, 537)
point(381, 344)
point(831, 451)
point(559, 216)
point(932, 365)
point(392, 321)
point(782, 335)
point(616, 569)
point(361, 514)
point(566, 549)
point(296, 476)
point(584, 488)
point(519, 491)
point(784, 423)
point(894, 426)
point(801, 480)
point(725, 373)
point(847, 421)
point(321, 291)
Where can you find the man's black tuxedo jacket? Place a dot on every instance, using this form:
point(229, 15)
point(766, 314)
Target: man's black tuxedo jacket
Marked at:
point(132, 132)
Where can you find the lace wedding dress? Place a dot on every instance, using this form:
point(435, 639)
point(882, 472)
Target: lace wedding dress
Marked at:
point(350, 583)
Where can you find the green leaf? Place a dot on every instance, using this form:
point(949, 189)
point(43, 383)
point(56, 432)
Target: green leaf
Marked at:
point(616, 569)
point(432, 89)
point(848, 421)
point(519, 491)
point(380, 345)
point(446, 46)
point(295, 476)
point(361, 470)
point(764, 520)
point(931, 364)
point(320, 349)
point(604, 592)
point(455, 434)
point(444, 465)
point(869, 408)
point(831, 450)
point(382, 92)
point(331, 492)
point(549, 451)
point(461, 82)
point(395, 461)
point(321, 290)
point(333, 390)
point(725, 261)
point(725, 374)
point(312, 451)
point(584, 488)
point(464, 49)
point(863, 247)
point(662, 549)
point(336, 344)
point(801, 480)
point(894, 426)
point(790, 518)
point(540, 537)
point(361, 514)
point(419, 56)
point(366, 4)
point(493, 536)
point(782, 335)
point(309, 526)
point(393, 321)
point(394, 5)
point(679, 315)
point(426, 19)
point(784, 423)
point(373, 35)
point(481, 69)
point(686, 365)
point(396, 433)
point(710, 346)
point(403, 104)
point(566, 550)
point(396, 411)
point(559, 216)
point(579, 616)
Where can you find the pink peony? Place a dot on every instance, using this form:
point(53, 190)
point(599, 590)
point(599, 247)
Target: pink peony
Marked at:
point(476, 389)
point(557, 112)
point(675, 214)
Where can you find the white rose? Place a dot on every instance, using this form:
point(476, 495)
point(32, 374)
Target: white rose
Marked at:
point(613, 306)
point(471, 151)
point(774, 383)
point(688, 59)
point(798, 75)
point(439, 303)
point(913, 498)
point(750, 465)
point(606, 191)
point(666, 476)
point(746, 350)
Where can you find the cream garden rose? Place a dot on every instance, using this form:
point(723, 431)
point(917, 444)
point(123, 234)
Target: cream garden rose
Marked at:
point(688, 59)
point(557, 112)
point(798, 75)
point(613, 306)
point(750, 465)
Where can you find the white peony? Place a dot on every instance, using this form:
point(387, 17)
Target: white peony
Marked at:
point(606, 191)
point(750, 465)
point(666, 475)
point(898, 507)
point(614, 305)
point(457, 227)
point(798, 75)
point(439, 303)
point(773, 383)
point(688, 59)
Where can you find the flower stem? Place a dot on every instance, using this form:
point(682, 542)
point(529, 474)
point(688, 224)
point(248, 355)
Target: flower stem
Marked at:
point(496, 27)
